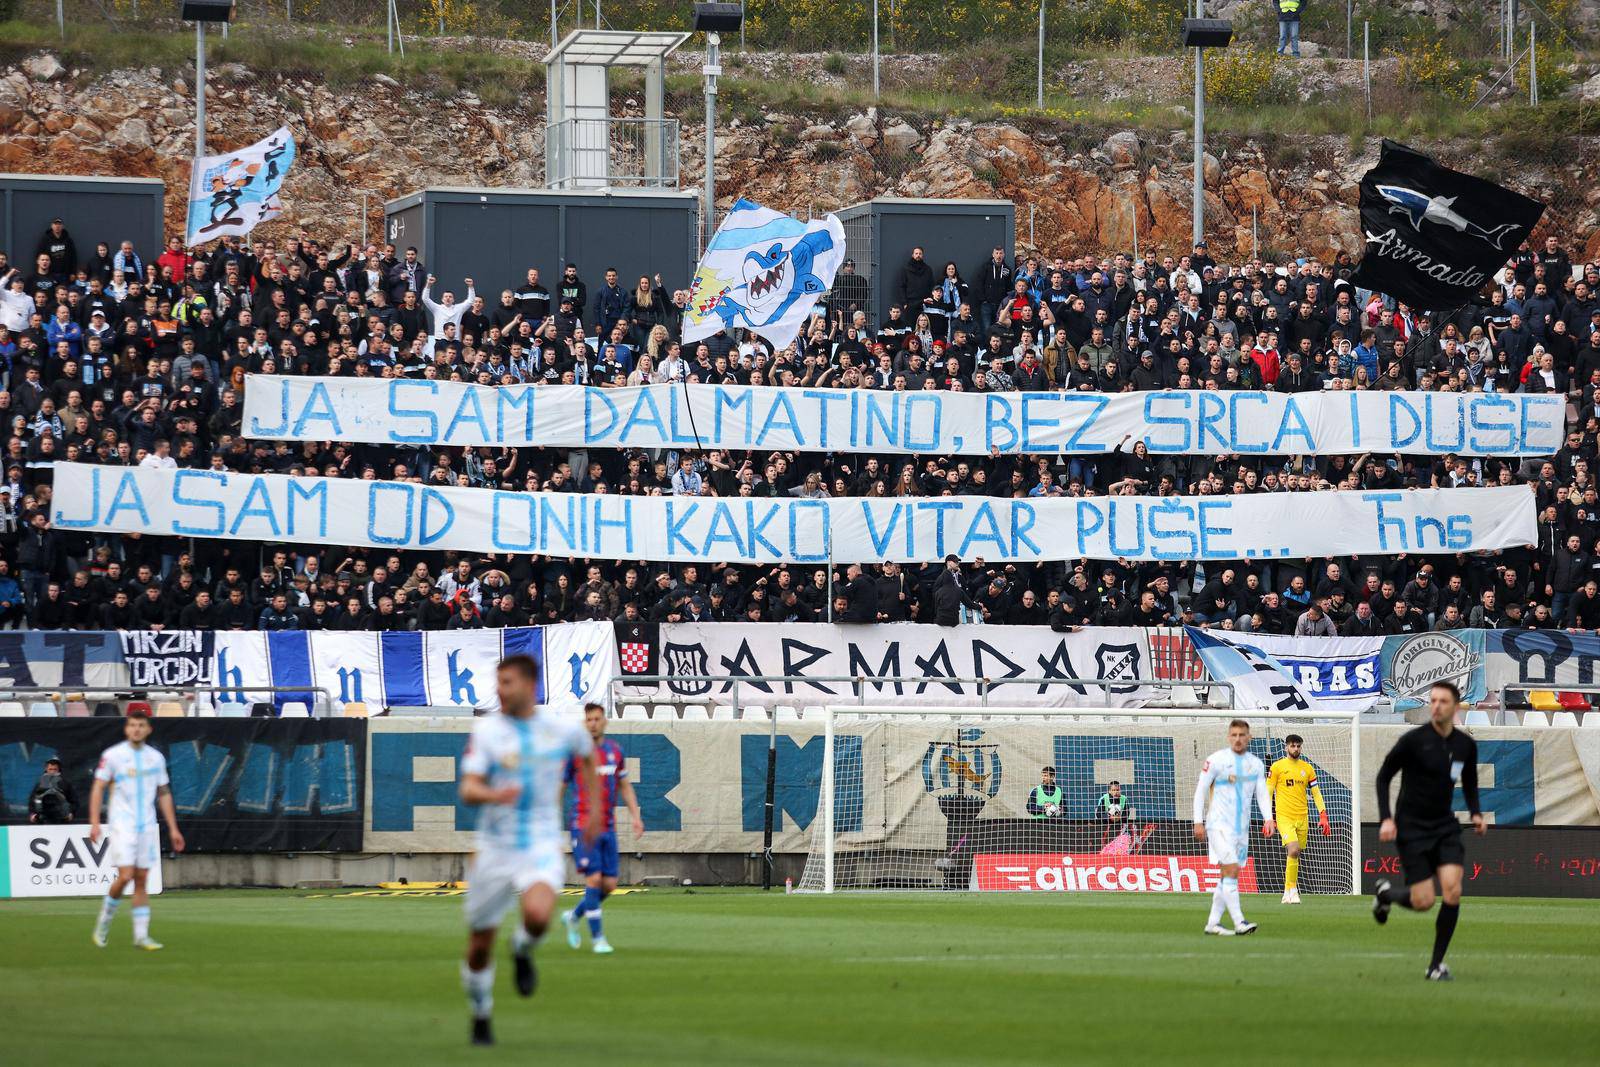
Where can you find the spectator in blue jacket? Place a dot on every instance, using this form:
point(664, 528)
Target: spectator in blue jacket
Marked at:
point(62, 328)
point(10, 598)
point(610, 304)
point(277, 616)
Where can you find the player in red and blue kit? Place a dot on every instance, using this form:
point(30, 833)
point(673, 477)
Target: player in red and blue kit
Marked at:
point(597, 862)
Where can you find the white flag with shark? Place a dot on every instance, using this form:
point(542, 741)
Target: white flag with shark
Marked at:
point(763, 271)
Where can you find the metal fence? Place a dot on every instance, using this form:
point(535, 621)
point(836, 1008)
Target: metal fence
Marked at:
point(596, 153)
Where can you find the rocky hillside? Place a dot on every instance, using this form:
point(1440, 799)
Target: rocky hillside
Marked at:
point(1084, 188)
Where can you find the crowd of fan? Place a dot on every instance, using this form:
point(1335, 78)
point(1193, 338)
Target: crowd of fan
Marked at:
point(115, 358)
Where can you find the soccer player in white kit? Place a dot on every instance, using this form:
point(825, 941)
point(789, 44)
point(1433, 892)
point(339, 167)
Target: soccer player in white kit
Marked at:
point(513, 769)
point(136, 775)
point(1230, 777)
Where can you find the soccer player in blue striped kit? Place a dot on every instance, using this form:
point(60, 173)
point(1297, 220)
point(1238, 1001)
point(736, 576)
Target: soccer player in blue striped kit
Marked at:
point(514, 768)
point(597, 862)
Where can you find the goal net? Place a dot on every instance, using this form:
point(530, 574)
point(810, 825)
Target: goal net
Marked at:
point(982, 798)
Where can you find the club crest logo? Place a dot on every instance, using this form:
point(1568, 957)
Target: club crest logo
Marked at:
point(966, 766)
point(1424, 659)
point(1117, 662)
point(679, 661)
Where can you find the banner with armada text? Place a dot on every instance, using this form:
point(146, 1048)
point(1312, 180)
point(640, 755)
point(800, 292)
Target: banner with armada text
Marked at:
point(405, 515)
point(1170, 422)
point(892, 664)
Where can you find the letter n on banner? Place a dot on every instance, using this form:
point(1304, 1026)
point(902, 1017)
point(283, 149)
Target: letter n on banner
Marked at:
point(798, 782)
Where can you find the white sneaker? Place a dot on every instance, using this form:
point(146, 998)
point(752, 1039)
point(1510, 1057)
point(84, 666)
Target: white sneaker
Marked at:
point(574, 931)
point(1219, 931)
point(1244, 928)
point(1294, 896)
point(603, 947)
point(102, 934)
point(149, 944)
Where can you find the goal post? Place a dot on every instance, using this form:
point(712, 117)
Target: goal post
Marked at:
point(944, 798)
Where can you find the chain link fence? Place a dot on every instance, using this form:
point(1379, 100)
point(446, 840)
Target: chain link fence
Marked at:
point(391, 97)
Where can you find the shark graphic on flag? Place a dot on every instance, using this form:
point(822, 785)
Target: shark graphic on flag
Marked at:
point(764, 271)
point(1420, 208)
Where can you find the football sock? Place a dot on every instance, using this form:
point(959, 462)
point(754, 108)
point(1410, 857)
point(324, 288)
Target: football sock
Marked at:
point(1443, 928)
point(594, 912)
point(108, 909)
point(1291, 873)
point(479, 986)
point(1399, 894)
point(1230, 894)
point(1218, 902)
point(141, 922)
point(521, 940)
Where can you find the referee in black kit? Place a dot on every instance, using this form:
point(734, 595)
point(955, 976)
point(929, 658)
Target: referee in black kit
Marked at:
point(1434, 759)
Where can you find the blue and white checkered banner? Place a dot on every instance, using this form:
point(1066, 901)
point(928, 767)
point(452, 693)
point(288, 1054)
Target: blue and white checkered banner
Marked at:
point(404, 668)
point(231, 193)
point(401, 515)
point(1170, 422)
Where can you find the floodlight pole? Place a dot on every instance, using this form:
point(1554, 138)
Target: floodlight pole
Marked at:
point(1039, 91)
point(199, 89)
point(874, 49)
point(1199, 134)
point(712, 68)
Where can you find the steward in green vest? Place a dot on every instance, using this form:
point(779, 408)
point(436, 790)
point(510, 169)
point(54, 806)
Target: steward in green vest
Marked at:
point(1044, 800)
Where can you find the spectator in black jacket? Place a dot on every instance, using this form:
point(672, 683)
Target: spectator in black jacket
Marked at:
point(1583, 610)
point(894, 593)
point(949, 594)
point(1568, 570)
point(992, 285)
point(51, 612)
point(237, 613)
point(861, 596)
point(57, 243)
point(1362, 622)
point(38, 555)
point(915, 281)
point(52, 800)
point(202, 614)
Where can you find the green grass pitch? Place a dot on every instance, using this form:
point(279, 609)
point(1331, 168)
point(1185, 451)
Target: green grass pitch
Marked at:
point(740, 977)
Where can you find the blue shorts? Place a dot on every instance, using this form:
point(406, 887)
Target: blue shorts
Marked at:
point(599, 858)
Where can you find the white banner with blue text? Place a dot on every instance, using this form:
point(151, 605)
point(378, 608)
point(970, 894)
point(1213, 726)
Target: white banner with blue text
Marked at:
point(895, 664)
point(408, 668)
point(405, 515)
point(1170, 422)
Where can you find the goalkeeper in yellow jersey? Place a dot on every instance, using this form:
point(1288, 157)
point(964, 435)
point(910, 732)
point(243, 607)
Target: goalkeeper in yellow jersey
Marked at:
point(1289, 780)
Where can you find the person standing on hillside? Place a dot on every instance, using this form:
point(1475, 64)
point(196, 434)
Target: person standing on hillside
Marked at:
point(1289, 26)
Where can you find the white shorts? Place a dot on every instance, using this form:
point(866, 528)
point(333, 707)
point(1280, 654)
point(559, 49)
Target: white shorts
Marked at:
point(131, 849)
point(497, 880)
point(1224, 846)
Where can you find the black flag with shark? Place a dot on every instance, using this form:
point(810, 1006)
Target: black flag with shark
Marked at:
point(1435, 235)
